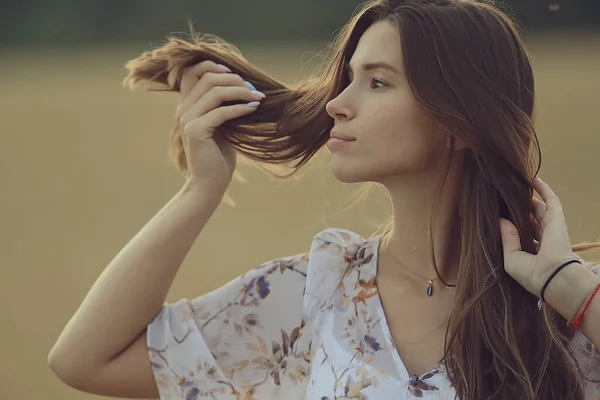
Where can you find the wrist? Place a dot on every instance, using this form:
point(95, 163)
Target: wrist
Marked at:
point(204, 195)
point(565, 290)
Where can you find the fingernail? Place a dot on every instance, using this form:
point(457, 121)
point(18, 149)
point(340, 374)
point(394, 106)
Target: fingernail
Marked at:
point(259, 94)
point(253, 104)
point(249, 85)
point(223, 67)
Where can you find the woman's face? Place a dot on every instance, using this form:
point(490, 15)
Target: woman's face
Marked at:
point(390, 135)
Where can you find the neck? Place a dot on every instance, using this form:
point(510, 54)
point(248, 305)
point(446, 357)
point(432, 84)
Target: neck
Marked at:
point(411, 240)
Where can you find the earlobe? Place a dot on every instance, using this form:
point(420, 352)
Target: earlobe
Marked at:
point(460, 144)
point(455, 143)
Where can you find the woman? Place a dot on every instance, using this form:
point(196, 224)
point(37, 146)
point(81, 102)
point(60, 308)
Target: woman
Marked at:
point(433, 99)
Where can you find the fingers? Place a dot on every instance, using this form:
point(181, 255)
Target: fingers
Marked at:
point(510, 237)
point(193, 74)
point(203, 127)
point(547, 194)
point(215, 97)
point(539, 209)
point(208, 81)
point(206, 91)
point(549, 216)
point(537, 229)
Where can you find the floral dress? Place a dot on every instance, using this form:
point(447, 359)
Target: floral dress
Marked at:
point(309, 326)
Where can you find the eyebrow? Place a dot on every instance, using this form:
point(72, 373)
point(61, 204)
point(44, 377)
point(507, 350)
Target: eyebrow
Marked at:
point(374, 66)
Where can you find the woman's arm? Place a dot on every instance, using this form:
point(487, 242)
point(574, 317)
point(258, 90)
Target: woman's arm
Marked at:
point(565, 292)
point(101, 345)
point(130, 292)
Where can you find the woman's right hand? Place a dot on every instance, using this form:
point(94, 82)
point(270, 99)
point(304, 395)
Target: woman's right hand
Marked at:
point(204, 87)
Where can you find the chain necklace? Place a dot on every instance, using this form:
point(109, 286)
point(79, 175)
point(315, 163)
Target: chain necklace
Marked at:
point(429, 289)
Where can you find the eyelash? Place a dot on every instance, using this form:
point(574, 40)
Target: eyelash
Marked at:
point(376, 81)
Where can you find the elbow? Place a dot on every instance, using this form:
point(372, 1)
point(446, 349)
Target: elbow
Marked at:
point(65, 371)
point(60, 368)
point(55, 363)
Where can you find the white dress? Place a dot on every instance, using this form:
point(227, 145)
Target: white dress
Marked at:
point(310, 326)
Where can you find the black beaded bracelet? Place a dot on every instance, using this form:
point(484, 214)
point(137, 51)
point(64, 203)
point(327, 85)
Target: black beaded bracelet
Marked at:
point(556, 271)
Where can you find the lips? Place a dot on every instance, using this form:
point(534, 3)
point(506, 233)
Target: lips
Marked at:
point(338, 141)
point(341, 136)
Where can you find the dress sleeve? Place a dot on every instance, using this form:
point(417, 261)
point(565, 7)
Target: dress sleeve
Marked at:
point(241, 341)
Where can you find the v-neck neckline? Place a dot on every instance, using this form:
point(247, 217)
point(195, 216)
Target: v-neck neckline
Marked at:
point(387, 333)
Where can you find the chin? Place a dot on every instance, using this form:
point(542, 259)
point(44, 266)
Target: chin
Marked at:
point(345, 178)
point(346, 173)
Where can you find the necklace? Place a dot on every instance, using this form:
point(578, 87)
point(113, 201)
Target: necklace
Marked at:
point(429, 289)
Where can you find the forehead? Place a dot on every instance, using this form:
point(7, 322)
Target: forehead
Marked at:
point(379, 43)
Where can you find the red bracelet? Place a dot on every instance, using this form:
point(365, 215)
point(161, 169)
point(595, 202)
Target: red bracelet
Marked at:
point(577, 321)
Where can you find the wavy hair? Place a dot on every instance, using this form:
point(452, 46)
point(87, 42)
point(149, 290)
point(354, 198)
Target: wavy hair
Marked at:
point(469, 70)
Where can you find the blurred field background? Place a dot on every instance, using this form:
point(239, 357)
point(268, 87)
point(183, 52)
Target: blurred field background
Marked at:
point(83, 161)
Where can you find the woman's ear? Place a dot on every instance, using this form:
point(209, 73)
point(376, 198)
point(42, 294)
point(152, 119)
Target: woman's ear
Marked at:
point(453, 142)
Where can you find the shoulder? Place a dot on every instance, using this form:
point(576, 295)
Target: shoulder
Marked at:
point(337, 238)
point(336, 254)
point(336, 248)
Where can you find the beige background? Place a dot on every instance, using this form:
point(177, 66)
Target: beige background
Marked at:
point(83, 166)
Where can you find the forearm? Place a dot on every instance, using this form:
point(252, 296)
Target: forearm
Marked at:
point(565, 291)
point(133, 287)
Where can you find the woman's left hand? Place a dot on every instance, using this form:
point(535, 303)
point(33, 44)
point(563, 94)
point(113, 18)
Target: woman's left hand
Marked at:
point(551, 234)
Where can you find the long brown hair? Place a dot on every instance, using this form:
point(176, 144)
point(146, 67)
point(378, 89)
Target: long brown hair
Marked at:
point(468, 68)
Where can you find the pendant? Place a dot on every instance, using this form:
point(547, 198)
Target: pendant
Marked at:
point(430, 288)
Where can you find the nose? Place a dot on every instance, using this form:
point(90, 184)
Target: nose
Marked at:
point(338, 108)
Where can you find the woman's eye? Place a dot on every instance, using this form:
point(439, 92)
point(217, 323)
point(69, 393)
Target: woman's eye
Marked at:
point(375, 82)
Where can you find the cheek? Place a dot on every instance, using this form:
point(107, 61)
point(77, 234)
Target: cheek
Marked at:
point(387, 151)
point(393, 140)
point(407, 140)
point(403, 150)
point(413, 146)
point(407, 149)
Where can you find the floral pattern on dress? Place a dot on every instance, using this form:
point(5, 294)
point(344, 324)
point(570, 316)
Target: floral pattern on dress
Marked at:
point(224, 345)
point(310, 326)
